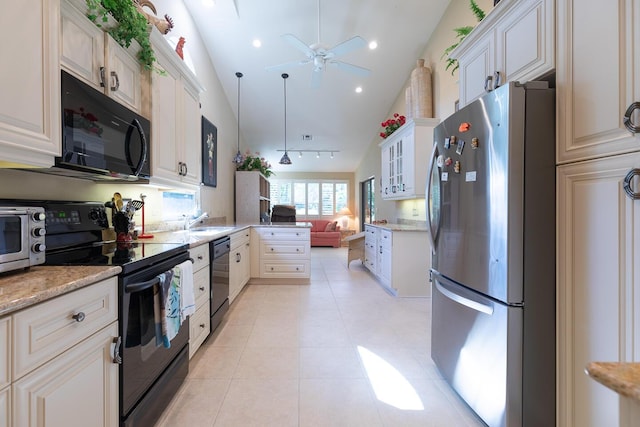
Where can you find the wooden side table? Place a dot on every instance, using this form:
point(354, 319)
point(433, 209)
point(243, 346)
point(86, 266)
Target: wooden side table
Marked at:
point(344, 233)
point(355, 243)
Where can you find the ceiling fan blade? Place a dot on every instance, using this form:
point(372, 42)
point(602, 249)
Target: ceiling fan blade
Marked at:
point(316, 78)
point(286, 65)
point(347, 46)
point(299, 44)
point(351, 68)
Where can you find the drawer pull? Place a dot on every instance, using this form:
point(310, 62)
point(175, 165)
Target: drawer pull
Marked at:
point(116, 350)
point(78, 317)
point(200, 257)
point(201, 288)
point(202, 325)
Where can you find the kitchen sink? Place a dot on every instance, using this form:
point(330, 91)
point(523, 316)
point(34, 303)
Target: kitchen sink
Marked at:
point(209, 231)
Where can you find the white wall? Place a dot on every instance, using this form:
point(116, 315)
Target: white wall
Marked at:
point(445, 93)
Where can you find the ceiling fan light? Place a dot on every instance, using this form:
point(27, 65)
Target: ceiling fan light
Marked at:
point(285, 160)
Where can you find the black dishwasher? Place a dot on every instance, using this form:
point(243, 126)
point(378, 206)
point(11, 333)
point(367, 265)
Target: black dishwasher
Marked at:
point(219, 261)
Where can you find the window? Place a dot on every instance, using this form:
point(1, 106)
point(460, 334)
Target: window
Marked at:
point(312, 198)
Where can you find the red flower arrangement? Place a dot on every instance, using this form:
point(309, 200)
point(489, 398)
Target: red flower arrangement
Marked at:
point(391, 125)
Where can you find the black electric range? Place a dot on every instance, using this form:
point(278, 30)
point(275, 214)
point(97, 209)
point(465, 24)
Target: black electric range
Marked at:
point(75, 236)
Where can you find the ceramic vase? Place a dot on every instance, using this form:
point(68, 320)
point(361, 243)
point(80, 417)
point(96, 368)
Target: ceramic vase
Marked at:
point(408, 104)
point(421, 92)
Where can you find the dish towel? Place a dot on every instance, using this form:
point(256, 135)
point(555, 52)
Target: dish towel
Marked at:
point(169, 299)
point(188, 301)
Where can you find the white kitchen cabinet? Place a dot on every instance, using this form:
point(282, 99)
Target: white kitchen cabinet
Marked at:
point(30, 83)
point(200, 321)
point(598, 289)
point(175, 119)
point(62, 353)
point(515, 42)
point(400, 259)
point(598, 78)
point(280, 254)
point(79, 388)
point(252, 197)
point(371, 248)
point(92, 55)
point(404, 157)
point(239, 262)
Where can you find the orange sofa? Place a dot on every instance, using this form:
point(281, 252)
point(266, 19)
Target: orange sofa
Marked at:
point(320, 237)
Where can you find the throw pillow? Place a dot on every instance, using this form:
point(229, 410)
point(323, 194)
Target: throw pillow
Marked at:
point(331, 226)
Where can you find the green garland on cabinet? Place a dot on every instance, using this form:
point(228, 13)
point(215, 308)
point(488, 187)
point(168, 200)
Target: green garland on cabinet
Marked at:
point(461, 33)
point(131, 25)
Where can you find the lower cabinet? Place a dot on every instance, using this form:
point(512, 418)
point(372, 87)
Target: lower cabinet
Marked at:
point(200, 322)
point(78, 388)
point(63, 357)
point(598, 308)
point(281, 254)
point(400, 260)
point(239, 262)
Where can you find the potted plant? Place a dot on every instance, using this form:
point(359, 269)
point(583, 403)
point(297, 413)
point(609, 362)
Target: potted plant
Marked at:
point(461, 33)
point(131, 25)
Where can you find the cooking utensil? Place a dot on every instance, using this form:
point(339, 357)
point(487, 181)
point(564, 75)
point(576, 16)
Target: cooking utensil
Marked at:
point(117, 200)
point(143, 235)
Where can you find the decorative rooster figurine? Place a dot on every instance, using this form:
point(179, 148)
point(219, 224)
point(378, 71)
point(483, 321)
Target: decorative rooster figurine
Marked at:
point(163, 25)
point(179, 47)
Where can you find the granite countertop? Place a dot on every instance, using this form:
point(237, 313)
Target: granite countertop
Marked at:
point(623, 378)
point(400, 227)
point(20, 289)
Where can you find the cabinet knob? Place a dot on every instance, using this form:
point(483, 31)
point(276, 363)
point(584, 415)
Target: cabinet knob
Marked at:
point(628, 123)
point(201, 288)
point(200, 257)
point(78, 317)
point(627, 184)
point(202, 325)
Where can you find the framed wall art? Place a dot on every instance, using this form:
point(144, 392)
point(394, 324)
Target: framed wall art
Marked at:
point(209, 153)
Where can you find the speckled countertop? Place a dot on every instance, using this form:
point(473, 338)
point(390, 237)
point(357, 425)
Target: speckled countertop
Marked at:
point(20, 289)
point(400, 227)
point(623, 378)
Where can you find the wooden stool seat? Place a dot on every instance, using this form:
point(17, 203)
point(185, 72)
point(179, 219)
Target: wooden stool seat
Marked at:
point(356, 247)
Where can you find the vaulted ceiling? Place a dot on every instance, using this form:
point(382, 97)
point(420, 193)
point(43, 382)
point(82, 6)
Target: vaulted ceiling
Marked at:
point(333, 114)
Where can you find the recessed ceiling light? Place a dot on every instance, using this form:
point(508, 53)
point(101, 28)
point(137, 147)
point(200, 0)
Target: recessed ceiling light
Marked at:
point(373, 45)
point(256, 43)
point(208, 3)
point(359, 89)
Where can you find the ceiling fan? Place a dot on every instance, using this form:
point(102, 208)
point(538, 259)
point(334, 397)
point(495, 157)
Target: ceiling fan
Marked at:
point(318, 55)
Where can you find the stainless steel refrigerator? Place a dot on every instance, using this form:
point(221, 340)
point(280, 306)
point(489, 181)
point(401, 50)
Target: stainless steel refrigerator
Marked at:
point(491, 215)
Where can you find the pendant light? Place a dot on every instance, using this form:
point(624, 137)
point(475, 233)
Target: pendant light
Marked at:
point(285, 160)
point(238, 158)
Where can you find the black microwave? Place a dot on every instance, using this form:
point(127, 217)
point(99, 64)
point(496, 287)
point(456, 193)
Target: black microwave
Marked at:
point(101, 138)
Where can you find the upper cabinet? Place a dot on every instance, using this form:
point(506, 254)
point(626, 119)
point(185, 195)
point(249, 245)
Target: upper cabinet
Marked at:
point(30, 83)
point(93, 56)
point(404, 159)
point(175, 118)
point(598, 78)
point(515, 42)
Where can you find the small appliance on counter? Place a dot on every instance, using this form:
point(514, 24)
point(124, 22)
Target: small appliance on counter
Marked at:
point(22, 241)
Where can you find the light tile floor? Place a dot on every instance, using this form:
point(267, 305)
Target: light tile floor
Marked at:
point(338, 352)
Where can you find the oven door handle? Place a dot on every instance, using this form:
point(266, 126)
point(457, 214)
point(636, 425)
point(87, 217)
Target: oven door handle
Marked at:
point(141, 286)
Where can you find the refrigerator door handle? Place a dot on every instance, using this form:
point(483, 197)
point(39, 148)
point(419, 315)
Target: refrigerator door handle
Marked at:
point(432, 163)
point(475, 304)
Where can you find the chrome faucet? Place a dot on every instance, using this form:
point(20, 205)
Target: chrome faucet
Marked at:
point(188, 223)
